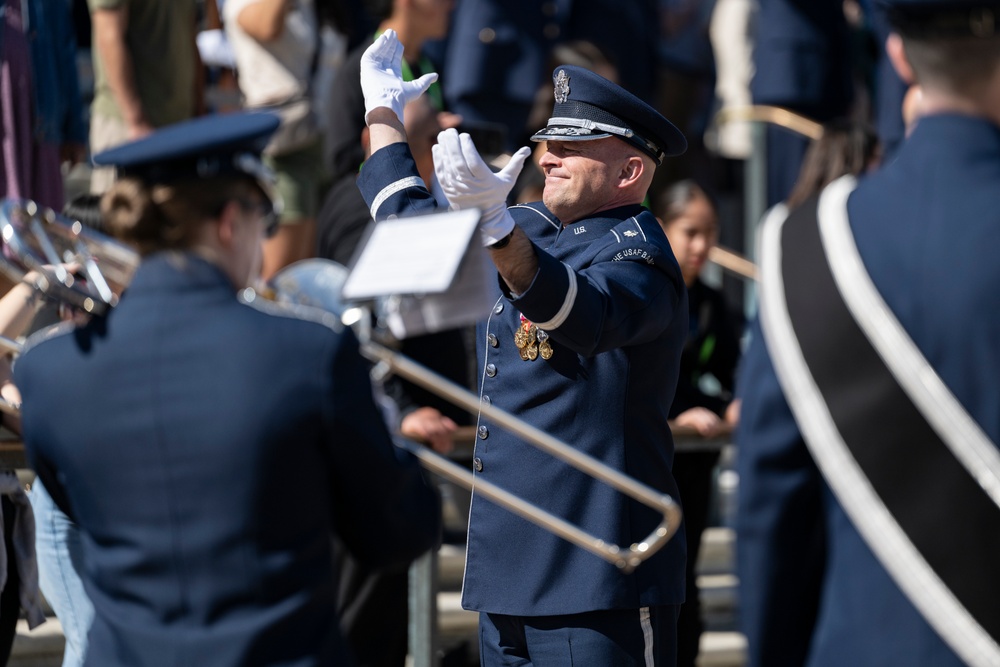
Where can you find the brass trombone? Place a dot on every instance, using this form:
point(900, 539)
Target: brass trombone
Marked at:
point(316, 283)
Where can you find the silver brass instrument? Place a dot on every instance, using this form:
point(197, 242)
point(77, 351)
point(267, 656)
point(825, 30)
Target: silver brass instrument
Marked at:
point(316, 283)
point(39, 239)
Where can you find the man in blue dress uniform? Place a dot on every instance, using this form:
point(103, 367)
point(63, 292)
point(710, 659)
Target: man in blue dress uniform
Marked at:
point(584, 342)
point(865, 538)
point(209, 445)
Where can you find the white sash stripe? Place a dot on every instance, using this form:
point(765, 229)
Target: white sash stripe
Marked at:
point(919, 380)
point(567, 305)
point(393, 188)
point(647, 635)
point(854, 491)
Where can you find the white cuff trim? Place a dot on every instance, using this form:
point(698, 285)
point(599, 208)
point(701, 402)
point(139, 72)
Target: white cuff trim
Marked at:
point(567, 305)
point(393, 188)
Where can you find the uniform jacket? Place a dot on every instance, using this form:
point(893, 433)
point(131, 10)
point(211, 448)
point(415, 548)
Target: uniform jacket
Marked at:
point(208, 450)
point(801, 57)
point(611, 296)
point(925, 226)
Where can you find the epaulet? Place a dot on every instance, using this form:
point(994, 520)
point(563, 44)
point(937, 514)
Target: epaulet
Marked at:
point(49, 332)
point(630, 230)
point(295, 311)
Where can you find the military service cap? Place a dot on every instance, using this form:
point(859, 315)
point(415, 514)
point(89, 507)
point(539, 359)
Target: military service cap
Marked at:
point(206, 147)
point(588, 106)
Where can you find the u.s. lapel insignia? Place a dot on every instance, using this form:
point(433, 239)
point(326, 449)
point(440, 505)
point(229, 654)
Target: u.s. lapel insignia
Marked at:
point(561, 87)
point(630, 233)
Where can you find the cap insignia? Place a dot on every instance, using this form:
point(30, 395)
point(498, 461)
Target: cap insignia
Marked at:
point(561, 87)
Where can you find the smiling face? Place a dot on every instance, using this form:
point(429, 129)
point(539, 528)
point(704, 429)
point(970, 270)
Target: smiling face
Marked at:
point(585, 177)
point(692, 234)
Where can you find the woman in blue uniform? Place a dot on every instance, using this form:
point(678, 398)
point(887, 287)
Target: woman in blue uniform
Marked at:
point(209, 445)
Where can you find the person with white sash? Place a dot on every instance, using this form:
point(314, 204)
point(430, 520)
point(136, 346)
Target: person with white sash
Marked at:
point(869, 503)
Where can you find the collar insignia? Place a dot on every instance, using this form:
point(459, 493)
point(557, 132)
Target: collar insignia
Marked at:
point(630, 233)
point(562, 87)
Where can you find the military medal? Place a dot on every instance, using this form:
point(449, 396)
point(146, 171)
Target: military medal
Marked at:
point(521, 338)
point(544, 347)
point(531, 341)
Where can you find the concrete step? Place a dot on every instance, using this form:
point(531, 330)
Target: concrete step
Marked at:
point(41, 647)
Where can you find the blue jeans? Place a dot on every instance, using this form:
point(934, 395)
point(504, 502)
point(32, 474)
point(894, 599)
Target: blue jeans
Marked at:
point(58, 550)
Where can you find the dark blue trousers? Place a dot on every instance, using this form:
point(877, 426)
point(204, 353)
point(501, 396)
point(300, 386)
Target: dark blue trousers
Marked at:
point(615, 638)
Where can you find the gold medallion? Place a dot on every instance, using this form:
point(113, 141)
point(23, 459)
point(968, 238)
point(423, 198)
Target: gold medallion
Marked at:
point(524, 353)
point(532, 352)
point(545, 350)
point(520, 338)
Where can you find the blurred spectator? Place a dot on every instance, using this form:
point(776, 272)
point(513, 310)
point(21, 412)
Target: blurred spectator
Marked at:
point(147, 72)
point(731, 31)
point(19, 580)
point(846, 147)
point(276, 44)
point(685, 83)
point(498, 50)
point(415, 24)
point(711, 352)
point(802, 63)
point(42, 123)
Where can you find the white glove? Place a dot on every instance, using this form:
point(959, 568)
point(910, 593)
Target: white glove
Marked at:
point(468, 182)
point(382, 78)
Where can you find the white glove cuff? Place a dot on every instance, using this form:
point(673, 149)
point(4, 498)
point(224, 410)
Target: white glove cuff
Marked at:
point(495, 224)
point(389, 101)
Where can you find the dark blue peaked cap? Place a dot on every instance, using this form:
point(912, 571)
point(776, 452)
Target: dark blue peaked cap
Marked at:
point(215, 145)
point(588, 106)
point(944, 18)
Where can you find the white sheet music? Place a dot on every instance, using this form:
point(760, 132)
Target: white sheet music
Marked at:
point(427, 273)
point(414, 255)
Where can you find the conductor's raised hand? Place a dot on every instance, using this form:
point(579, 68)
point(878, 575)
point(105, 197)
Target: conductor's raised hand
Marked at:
point(382, 78)
point(468, 182)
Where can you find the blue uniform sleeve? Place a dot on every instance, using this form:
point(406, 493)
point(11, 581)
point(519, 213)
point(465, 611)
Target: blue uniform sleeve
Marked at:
point(628, 295)
point(386, 512)
point(780, 529)
point(390, 184)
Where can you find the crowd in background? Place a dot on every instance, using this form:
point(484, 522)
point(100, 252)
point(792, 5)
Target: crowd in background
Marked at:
point(79, 76)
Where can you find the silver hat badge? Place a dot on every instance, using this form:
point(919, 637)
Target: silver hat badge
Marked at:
point(562, 87)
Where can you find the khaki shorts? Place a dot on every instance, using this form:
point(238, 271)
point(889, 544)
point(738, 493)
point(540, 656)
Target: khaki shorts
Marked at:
point(302, 181)
point(105, 132)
